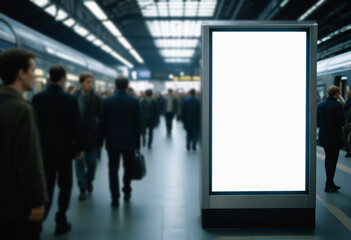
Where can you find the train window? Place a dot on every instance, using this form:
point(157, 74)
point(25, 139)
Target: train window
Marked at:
point(6, 33)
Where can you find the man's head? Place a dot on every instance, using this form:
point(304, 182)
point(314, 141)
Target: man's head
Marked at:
point(192, 92)
point(334, 91)
point(17, 66)
point(86, 81)
point(57, 74)
point(148, 93)
point(170, 92)
point(122, 83)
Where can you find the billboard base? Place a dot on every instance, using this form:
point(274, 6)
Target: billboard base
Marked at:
point(274, 217)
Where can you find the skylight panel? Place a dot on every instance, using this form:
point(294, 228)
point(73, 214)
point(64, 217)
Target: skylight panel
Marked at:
point(176, 43)
point(162, 9)
point(80, 30)
point(112, 28)
point(69, 22)
point(177, 53)
point(96, 10)
point(124, 42)
point(51, 10)
point(174, 28)
point(176, 9)
point(177, 60)
point(40, 3)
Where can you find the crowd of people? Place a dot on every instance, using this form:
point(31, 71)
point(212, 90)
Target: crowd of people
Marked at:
point(40, 139)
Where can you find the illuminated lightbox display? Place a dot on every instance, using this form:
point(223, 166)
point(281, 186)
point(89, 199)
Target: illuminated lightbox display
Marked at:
point(258, 98)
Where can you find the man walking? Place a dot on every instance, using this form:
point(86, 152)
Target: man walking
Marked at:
point(191, 119)
point(89, 109)
point(22, 182)
point(170, 110)
point(59, 127)
point(148, 115)
point(120, 125)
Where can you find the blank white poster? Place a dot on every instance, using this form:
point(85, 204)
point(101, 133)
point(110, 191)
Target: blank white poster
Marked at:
point(258, 111)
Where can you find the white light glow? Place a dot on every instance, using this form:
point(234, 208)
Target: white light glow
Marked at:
point(80, 30)
point(176, 8)
point(124, 42)
point(69, 22)
point(51, 10)
point(333, 34)
point(96, 10)
point(271, 166)
point(177, 60)
point(136, 56)
point(187, 53)
point(112, 28)
point(106, 48)
point(283, 3)
point(40, 3)
point(97, 42)
point(61, 15)
point(176, 43)
point(174, 28)
point(121, 59)
point(311, 10)
point(91, 37)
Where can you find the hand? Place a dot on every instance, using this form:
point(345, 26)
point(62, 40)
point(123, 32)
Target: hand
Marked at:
point(79, 155)
point(37, 214)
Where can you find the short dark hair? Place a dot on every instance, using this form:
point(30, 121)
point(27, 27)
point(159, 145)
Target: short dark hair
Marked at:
point(148, 92)
point(192, 92)
point(56, 73)
point(84, 76)
point(121, 83)
point(170, 90)
point(11, 61)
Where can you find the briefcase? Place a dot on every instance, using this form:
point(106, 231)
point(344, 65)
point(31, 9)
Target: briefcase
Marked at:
point(138, 167)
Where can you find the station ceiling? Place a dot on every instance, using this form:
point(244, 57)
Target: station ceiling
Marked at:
point(143, 41)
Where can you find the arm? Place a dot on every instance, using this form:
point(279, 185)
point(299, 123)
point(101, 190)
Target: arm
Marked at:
point(137, 126)
point(340, 115)
point(76, 127)
point(318, 116)
point(102, 124)
point(28, 162)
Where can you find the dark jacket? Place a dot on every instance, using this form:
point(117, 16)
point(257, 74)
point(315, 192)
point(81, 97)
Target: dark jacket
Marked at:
point(90, 120)
point(330, 119)
point(120, 122)
point(59, 123)
point(148, 113)
point(22, 182)
point(191, 113)
point(346, 107)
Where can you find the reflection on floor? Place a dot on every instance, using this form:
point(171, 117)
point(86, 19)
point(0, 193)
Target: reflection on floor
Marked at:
point(166, 204)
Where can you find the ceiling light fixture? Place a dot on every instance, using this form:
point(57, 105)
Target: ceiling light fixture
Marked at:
point(311, 10)
point(96, 10)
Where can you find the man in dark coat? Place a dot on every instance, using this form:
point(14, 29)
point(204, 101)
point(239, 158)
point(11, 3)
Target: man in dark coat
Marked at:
point(22, 182)
point(148, 114)
point(191, 119)
point(170, 110)
point(119, 124)
point(60, 131)
point(89, 109)
point(330, 119)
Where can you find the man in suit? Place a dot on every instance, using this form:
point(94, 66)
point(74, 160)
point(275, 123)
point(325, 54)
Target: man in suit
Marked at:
point(170, 110)
point(330, 119)
point(191, 119)
point(148, 114)
point(119, 125)
point(89, 109)
point(22, 182)
point(60, 131)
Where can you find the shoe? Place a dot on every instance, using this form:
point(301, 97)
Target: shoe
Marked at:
point(348, 155)
point(90, 188)
point(62, 228)
point(194, 148)
point(82, 196)
point(127, 197)
point(331, 189)
point(188, 147)
point(337, 187)
point(114, 203)
point(149, 147)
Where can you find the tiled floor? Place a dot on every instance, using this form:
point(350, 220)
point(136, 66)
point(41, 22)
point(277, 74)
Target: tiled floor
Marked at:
point(166, 204)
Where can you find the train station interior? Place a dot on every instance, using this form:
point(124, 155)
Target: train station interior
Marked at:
point(159, 45)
